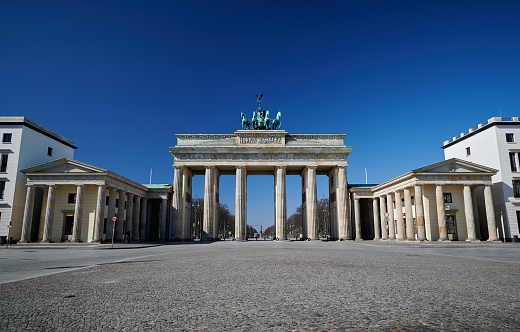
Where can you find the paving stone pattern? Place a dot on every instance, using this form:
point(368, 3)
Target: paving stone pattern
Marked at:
point(251, 288)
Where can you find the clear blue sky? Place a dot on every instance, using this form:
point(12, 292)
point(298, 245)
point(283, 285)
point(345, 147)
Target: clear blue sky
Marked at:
point(120, 78)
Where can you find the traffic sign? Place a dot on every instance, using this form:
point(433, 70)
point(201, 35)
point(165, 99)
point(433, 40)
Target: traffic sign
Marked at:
point(387, 219)
point(114, 219)
point(386, 226)
point(387, 214)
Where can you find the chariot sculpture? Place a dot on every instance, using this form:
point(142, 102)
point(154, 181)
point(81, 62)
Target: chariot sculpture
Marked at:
point(260, 119)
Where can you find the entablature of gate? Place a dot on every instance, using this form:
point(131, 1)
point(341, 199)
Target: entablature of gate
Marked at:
point(260, 151)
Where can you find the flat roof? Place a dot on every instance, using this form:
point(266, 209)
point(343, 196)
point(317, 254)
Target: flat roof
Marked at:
point(481, 127)
point(20, 120)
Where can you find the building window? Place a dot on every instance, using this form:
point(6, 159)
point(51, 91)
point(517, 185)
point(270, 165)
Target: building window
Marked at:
point(468, 151)
point(516, 188)
point(49, 152)
point(512, 161)
point(117, 202)
point(3, 165)
point(2, 189)
point(447, 198)
point(72, 198)
point(7, 138)
point(510, 138)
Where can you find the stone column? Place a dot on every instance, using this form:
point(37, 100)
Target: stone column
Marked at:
point(410, 231)
point(441, 215)
point(375, 208)
point(111, 213)
point(137, 222)
point(240, 203)
point(312, 203)
point(177, 202)
point(382, 209)
point(216, 185)
point(209, 200)
point(468, 211)
point(49, 214)
point(186, 203)
point(129, 213)
point(342, 202)
point(357, 218)
point(280, 203)
point(164, 212)
point(419, 213)
point(399, 216)
point(78, 211)
point(390, 209)
point(100, 214)
point(142, 221)
point(490, 214)
point(120, 215)
point(475, 212)
point(27, 215)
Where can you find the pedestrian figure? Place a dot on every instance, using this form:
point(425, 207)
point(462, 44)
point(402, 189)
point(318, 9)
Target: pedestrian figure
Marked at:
point(127, 237)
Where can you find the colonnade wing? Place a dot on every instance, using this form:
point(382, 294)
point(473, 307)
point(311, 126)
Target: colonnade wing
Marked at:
point(437, 202)
point(87, 194)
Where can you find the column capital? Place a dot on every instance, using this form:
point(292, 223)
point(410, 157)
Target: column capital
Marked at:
point(210, 166)
point(281, 166)
point(312, 167)
point(178, 167)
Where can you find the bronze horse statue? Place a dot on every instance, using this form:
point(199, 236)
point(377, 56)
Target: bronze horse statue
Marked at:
point(245, 122)
point(276, 123)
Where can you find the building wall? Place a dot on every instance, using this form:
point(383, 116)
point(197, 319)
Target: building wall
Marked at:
point(10, 177)
point(490, 148)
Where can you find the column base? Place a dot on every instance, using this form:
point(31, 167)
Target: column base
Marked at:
point(76, 241)
point(444, 240)
point(494, 240)
point(472, 240)
point(377, 238)
point(421, 239)
point(360, 239)
point(96, 241)
point(24, 241)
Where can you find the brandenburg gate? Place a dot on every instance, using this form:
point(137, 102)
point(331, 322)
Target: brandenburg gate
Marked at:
point(261, 151)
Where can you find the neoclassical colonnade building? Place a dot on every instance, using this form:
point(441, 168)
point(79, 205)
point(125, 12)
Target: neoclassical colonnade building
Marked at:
point(449, 200)
point(260, 152)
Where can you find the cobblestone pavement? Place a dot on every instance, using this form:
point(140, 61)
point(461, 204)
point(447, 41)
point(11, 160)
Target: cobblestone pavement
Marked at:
point(272, 286)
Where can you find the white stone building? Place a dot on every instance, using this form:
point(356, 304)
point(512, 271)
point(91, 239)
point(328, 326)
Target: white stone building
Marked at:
point(24, 144)
point(495, 144)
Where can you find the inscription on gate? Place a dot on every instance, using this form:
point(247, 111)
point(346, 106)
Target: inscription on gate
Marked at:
point(261, 140)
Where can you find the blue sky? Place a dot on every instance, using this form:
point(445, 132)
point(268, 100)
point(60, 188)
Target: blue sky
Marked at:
point(120, 78)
